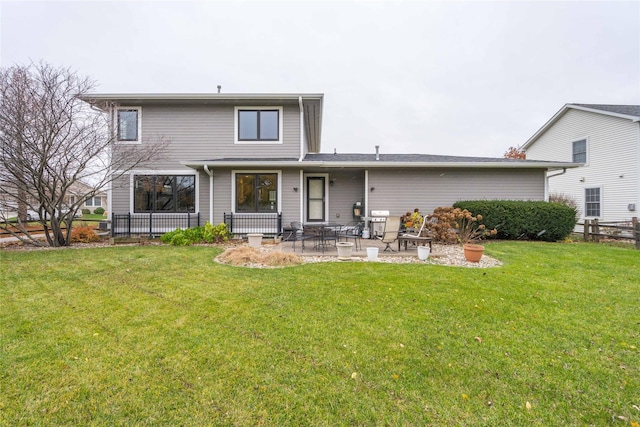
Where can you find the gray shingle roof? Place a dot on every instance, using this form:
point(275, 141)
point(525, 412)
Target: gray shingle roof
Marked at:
point(404, 158)
point(627, 110)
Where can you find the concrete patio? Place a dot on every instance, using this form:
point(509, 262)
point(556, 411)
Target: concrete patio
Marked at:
point(363, 244)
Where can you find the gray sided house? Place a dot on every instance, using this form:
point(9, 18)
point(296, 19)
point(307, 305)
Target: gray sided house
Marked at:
point(254, 161)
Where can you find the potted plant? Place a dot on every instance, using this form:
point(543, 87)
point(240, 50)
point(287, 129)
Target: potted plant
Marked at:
point(470, 232)
point(460, 225)
point(412, 219)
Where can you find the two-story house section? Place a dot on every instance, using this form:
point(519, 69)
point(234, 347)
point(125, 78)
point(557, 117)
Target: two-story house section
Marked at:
point(605, 140)
point(254, 161)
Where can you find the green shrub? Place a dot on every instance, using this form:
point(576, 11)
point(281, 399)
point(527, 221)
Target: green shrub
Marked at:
point(534, 220)
point(86, 211)
point(99, 211)
point(207, 234)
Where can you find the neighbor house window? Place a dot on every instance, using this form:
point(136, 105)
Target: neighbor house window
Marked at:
point(580, 151)
point(592, 202)
point(256, 192)
point(128, 124)
point(93, 201)
point(258, 124)
point(164, 193)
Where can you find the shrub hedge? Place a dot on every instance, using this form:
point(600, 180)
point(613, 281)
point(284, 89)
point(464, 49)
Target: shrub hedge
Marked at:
point(98, 211)
point(516, 219)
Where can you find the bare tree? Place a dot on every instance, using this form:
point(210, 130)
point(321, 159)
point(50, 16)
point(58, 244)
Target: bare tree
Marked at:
point(514, 153)
point(50, 140)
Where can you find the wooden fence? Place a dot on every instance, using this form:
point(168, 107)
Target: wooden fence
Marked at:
point(595, 230)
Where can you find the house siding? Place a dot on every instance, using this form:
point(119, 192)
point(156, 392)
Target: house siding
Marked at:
point(613, 160)
point(402, 190)
point(207, 132)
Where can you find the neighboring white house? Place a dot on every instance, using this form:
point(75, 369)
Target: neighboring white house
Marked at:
point(606, 140)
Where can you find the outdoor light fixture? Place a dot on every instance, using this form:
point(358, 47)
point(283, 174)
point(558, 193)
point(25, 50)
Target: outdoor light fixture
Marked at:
point(295, 189)
point(373, 188)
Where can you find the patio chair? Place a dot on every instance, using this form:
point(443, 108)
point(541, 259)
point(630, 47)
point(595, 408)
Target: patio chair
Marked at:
point(298, 234)
point(353, 230)
point(416, 238)
point(391, 232)
point(418, 234)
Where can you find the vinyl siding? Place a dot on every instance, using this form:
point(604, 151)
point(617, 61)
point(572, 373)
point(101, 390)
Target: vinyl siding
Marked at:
point(120, 202)
point(402, 190)
point(207, 132)
point(347, 189)
point(613, 160)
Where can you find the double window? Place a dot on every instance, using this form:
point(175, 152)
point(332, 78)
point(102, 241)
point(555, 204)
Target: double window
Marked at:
point(93, 201)
point(164, 193)
point(254, 124)
point(128, 124)
point(592, 202)
point(256, 192)
point(580, 151)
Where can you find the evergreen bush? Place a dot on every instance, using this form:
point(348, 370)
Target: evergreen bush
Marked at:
point(533, 220)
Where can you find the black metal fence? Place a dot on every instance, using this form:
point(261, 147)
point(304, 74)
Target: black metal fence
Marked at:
point(242, 224)
point(151, 224)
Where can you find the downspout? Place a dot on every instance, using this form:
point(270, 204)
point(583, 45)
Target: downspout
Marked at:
point(210, 173)
point(301, 129)
point(366, 192)
point(301, 184)
point(546, 183)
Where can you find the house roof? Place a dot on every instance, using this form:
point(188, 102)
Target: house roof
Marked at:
point(311, 103)
point(628, 112)
point(355, 160)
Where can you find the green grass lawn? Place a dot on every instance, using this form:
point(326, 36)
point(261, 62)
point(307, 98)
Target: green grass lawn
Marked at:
point(159, 335)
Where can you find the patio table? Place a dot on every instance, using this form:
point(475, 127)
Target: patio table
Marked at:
point(324, 232)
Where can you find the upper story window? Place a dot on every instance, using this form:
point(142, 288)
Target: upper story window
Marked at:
point(128, 124)
point(258, 125)
point(580, 151)
point(164, 193)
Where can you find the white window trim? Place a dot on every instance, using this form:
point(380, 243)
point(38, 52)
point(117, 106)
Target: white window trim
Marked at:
point(233, 190)
point(584, 203)
point(162, 172)
point(586, 139)
point(116, 127)
point(235, 125)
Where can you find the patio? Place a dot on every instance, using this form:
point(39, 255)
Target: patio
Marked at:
point(332, 250)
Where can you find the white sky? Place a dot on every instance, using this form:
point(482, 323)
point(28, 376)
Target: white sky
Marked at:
point(458, 78)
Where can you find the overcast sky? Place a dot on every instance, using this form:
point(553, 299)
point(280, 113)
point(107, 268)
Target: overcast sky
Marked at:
point(458, 78)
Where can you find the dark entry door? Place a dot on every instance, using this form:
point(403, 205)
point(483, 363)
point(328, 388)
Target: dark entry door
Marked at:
point(315, 198)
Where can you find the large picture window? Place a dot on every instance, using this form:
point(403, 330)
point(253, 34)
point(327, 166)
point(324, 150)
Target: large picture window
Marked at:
point(258, 124)
point(592, 202)
point(256, 192)
point(164, 193)
point(128, 124)
point(580, 151)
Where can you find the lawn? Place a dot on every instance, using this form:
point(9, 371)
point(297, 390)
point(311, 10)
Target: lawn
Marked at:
point(159, 335)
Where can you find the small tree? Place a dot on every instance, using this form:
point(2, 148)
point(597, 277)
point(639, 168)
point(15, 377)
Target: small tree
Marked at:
point(514, 153)
point(49, 140)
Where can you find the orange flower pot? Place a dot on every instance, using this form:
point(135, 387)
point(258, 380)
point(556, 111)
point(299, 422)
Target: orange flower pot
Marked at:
point(473, 253)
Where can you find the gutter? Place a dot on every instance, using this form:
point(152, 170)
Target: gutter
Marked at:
point(301, 128)
point(210, 173)
point(378, 164)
